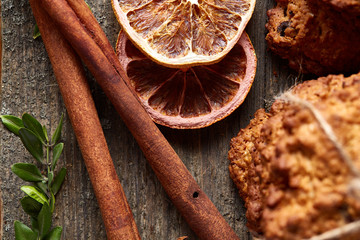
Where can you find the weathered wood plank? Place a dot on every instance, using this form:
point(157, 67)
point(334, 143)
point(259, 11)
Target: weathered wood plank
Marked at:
point(28, 85)
point(1, 205)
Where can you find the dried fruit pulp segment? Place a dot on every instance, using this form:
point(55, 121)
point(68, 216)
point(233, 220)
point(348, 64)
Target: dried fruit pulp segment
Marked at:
point(193, 97)
point(180, 32)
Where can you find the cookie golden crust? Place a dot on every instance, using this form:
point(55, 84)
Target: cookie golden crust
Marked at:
point(294, 175)
point(242, 170)
point(314, 36)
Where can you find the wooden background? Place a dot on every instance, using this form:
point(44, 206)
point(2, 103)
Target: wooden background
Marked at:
point(28, 85)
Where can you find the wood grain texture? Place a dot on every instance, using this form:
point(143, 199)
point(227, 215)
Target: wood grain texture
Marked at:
point(1, 205)
point(29, 85)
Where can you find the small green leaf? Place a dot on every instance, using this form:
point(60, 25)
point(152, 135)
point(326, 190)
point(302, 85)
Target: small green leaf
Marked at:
point(12, 123)
point(31, 206)
point(88, 6)
point(35, 194)
point(56, 154)
point(50, 178)
point(45, 133)
point(57, 134)
point(44, 220)
point(58, 180)
point(52, 202)
point(42, 187)
point(34, 224)
point(23, 232)
point(36, 32)
point(32, 143)
point(27, 172)
point(54, 234)
point(32, 124)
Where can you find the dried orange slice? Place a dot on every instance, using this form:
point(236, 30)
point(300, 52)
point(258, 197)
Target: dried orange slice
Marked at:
point(194, 97)
point(184, 33)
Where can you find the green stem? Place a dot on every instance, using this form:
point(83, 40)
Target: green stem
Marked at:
point(48, 166)
point(47, 154)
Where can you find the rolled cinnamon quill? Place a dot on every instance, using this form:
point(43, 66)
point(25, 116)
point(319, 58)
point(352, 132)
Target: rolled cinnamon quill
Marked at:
point(68, 69)
point(79, 26)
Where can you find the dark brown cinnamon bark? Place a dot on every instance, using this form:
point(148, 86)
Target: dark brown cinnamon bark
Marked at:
point(116, 213)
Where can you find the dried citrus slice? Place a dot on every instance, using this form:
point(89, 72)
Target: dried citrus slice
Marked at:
point(183, 33)
point(194, 97)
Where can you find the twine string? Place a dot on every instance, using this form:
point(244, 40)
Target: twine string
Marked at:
point(350, 228)
point(325, 126)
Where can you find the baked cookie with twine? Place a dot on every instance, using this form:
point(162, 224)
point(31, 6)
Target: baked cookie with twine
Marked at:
point(297, 166)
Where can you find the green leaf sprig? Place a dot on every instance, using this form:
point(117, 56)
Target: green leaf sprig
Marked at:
point(39, 202)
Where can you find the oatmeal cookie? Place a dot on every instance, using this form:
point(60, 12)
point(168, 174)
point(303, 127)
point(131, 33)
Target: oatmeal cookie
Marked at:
point(291, 176)
point(314, 36)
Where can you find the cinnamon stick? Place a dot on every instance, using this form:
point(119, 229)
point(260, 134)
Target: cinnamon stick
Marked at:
point(81, 29)
point(116, 213)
